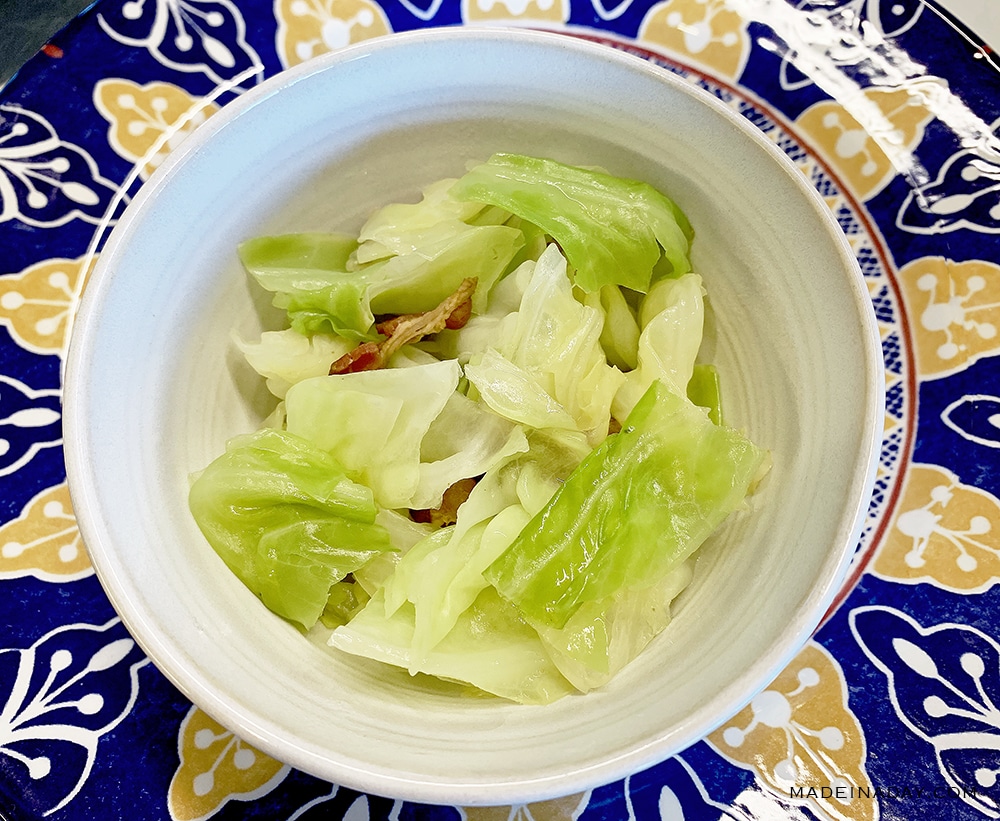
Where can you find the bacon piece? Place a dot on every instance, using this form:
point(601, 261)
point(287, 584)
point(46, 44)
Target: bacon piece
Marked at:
point(387, 327)
point(358, 359)
point(447, 513)
point(462, 314)
point(453, 312)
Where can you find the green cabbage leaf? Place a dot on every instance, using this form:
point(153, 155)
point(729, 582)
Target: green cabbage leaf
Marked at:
point(614, 231)
point(307, 273)
point(637, 507)
point(564, 560)
point(669, 341)
point(491, 647)
point(317, 280)
point(442, 575)
point(620, 330)
point(373, 422)
point(548, 369)
point(402, 228)
point(287, 520)
point(603, 636)
point(464, 441)
point(286, 357)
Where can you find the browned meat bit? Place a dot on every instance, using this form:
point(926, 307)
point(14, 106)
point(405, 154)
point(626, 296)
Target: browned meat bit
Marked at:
point(360, 358)
point(452, 313)
point(447, 513)
point(462, 314)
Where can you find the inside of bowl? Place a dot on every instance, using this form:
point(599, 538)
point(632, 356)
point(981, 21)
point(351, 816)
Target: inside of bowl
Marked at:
point(329, 144)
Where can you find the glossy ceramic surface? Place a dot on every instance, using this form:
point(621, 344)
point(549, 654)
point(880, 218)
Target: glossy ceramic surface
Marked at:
point(888, 712)
point(155, 387)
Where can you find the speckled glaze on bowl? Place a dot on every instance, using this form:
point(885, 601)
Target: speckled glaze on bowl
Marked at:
point(154, 388)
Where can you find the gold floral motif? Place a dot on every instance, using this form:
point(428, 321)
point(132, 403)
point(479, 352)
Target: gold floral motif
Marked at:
point(943, 532)
point(956, 307)
point(148, 122)
point(705, 30)
point(535, 11)
point(870, 151)
point(44, 540)
point(36, 303)
point(217, 767)
point(557, 809)
point(800, 734)
point(307, 28)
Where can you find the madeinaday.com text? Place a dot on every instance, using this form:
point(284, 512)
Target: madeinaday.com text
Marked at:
point(846, 792)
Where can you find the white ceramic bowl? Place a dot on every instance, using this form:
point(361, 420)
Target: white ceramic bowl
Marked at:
point(154, 389)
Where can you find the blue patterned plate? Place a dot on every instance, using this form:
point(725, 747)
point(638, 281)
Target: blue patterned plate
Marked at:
point(891, 711)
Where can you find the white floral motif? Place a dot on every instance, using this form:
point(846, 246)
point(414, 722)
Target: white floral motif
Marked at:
point(774, 709)
point(677, 799)
point(358, 811)
point(674, 791)
point(336, 32)
point(314, 27)
point(65, 692)
point(700, 35)
point(202, 36)
point(944, 683)
point(44, 541)
point(853, 141)
point(922, 523)
point(243, 756)
point(44, 180)
point(334, 805)
point(316, 802)
point(965, 194)
point(942, 314)
point(30, 420)
point(614, 13)
point(975, 417)
point(427, 14)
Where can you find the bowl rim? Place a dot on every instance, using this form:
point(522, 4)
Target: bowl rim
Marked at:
point(265, 734)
